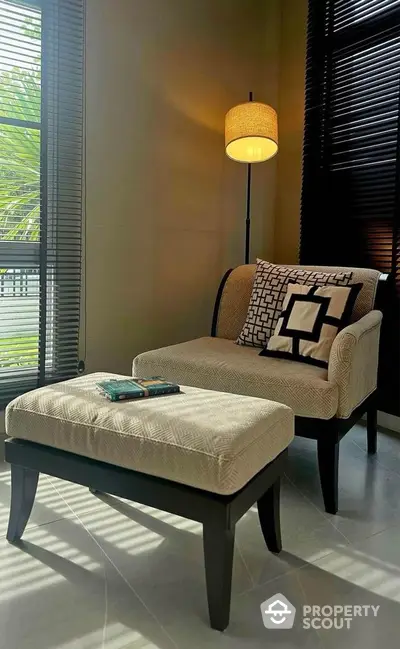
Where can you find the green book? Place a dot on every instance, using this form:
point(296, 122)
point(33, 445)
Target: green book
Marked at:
point(120, 389)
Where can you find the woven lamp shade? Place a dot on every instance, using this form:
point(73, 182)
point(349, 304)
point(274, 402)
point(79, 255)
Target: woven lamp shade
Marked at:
point(251, 132)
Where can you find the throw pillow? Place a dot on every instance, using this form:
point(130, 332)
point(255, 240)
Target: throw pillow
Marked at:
point(311, 318)
point(269, 290)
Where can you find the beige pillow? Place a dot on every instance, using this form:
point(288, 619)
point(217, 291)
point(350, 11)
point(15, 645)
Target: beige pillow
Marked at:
point(311, 318)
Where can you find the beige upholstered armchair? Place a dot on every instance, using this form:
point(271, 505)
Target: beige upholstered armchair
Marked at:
point(327, 403)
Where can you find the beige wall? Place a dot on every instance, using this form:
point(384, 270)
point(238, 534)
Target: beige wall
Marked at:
point(164, 206)
point(266, 173)
point(291, 121)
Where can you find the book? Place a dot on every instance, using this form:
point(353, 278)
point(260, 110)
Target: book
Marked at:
point(135, 388)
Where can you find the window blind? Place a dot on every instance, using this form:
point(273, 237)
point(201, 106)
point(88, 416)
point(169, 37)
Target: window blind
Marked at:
point(41, 151)
point(350, 213)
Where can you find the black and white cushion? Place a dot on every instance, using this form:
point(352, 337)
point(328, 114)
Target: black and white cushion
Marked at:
point(269, 289)
point(311, 318)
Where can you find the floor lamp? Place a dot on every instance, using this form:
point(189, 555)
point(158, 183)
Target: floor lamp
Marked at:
point(251, 135)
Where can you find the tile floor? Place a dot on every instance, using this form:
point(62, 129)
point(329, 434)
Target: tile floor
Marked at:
point(101, 573)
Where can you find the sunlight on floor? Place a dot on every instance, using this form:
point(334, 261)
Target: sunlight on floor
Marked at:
point(115, 636)
point(23, 573)
point(118, 529)
point(364, 570)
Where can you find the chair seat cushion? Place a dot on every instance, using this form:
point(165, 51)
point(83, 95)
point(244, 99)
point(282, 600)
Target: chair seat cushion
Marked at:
point(219, 364)
point(209, 440)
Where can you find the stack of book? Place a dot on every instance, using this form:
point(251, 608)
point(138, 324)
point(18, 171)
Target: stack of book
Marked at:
point(121, 389)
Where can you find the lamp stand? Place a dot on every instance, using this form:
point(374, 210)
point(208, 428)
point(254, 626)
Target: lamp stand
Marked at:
point(248, 198)
point(248, 203)
point(251, 135)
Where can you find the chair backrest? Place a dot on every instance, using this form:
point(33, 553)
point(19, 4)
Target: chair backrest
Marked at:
point(234, 296)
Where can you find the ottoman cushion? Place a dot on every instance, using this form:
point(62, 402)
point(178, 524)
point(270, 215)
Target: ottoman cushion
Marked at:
point(209, 440)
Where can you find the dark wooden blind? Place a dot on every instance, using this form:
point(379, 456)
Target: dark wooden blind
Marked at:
point(41, 155)
point(351, 176)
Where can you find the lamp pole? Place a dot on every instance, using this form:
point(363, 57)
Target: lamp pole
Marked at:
point(251, 135)
point(248, 199)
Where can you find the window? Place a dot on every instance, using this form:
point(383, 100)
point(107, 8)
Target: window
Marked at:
point(351, 174)
point(41, 136)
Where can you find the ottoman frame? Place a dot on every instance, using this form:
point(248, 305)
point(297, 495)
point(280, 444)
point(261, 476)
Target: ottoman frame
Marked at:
point(218, 513)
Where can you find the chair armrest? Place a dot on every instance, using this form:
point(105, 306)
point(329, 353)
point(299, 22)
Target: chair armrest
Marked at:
point(353, 362)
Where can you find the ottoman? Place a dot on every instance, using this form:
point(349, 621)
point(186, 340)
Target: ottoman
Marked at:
point(208, 456)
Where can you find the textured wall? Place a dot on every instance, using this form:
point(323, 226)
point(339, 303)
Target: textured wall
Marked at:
point(164, 206)
point(291, 121)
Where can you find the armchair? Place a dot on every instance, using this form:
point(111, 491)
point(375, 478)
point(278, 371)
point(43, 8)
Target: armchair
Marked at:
point(326, 403)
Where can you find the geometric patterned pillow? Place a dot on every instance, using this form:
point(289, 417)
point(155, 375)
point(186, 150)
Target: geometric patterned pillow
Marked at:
point(269, 290)
point(311, 318)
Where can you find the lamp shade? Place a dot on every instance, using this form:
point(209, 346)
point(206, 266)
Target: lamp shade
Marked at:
point(251, 132)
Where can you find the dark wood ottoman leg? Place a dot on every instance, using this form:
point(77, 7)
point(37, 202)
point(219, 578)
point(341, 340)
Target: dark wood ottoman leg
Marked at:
point(372, 430)
point(218, 540)
point(269, 515)
point(23, 490)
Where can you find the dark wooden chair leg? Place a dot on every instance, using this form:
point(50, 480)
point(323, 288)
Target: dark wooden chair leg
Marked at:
point(23, 490)
point(372, 430)
point(269, 515)
point(328, 462)
point(218, 540)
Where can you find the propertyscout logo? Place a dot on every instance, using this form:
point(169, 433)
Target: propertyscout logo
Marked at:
point(278, 613)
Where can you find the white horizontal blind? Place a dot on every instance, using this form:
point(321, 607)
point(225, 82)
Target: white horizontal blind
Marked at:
point(41, 122)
